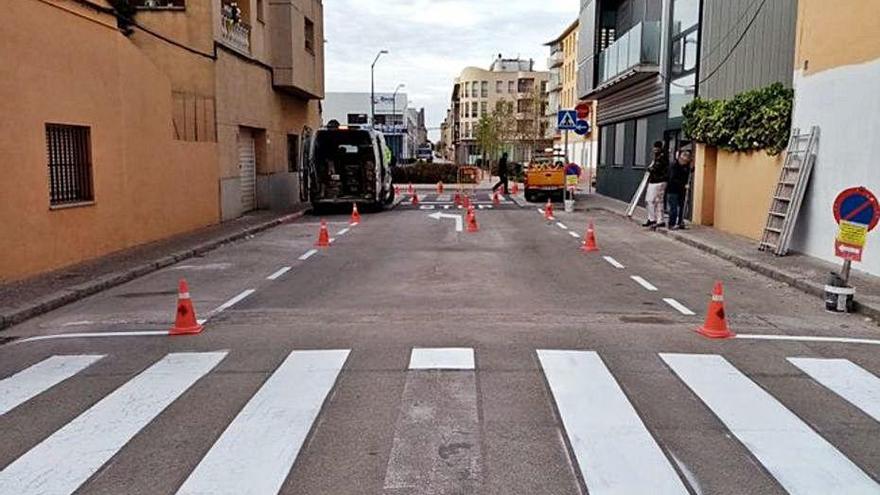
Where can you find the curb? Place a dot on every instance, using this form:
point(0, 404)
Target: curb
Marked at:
point(807, 286)
point(77, 292)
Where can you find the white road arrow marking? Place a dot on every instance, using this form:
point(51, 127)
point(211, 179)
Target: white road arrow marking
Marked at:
point(459, 225)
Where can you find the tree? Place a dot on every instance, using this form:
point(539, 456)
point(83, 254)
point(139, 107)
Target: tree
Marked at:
point(496, 131)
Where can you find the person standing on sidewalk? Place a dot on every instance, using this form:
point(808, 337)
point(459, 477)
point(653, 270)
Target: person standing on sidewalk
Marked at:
point(502, 174)
point(679, 181)
point(658, 175)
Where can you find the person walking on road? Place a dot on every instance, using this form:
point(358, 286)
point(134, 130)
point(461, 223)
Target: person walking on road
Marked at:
point(679, 181)
point(658, 175)
point(502, 174)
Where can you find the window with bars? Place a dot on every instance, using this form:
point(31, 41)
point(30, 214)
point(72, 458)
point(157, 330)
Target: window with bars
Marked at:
point(70, 164)
point(309, 30)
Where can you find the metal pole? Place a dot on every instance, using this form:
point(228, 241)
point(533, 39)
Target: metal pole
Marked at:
point(373, 88)
point(565, 192)
point(844, 273)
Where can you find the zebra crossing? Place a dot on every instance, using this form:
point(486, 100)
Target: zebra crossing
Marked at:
point(481, 200)
point(611, 443)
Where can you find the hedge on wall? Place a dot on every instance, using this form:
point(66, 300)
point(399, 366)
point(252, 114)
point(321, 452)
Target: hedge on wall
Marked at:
point(759, 119)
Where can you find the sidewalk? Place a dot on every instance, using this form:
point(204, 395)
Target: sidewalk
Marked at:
point(34, 296)
point(803, 272)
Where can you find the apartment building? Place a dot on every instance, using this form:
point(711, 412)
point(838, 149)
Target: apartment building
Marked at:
point(127, 128)
point(478, 92)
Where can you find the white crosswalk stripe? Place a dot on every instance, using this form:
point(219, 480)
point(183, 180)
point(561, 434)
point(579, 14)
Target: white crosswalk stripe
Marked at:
point(257, 450)
point(801, 461)
point(846, 379)
point(28, 383)
point(613, 448)
point(65, 460)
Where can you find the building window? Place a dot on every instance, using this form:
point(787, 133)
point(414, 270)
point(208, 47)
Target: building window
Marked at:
point(475, 107)
point(159, 4)
point(484, 89)
point(475, 88)
point(467, 110)
point(510, 87)
point(606, 143)
point(681, 92)
point(292, 153)
point(467, 90)
point(641, 157)
point(685, 13)
point(483, 109)
point(499, 86)
point(70, 164)
point(619, 142)
point(310, 35)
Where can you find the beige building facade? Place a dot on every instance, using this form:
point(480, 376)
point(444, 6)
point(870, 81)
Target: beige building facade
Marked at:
point(126, 134)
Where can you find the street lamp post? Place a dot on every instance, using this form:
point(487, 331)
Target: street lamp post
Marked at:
point(373, 87)
point(394, 103)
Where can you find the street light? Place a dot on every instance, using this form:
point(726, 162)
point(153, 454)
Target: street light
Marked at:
point(394, 103)
point(373, 87)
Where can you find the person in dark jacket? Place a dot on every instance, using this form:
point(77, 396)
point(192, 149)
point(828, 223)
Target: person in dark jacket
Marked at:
point(679, 181)
point(502, 174)
point(658, 175)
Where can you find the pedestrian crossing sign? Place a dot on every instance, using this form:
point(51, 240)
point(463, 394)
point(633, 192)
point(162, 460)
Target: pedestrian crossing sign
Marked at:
point(566, 120)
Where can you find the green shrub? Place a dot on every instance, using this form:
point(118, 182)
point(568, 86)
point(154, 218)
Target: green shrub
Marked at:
point(759, 119)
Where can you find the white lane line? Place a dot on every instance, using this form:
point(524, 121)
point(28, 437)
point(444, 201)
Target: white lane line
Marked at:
point(28, 383)
point(440, 358)
point(644, 283)
point(446, 207)
point(64, 461)
point(613, 262)
point(308, 254)
point(562, 225)
point(541, 211)
point(228, 304)
point(344, 231)
point(92, 335)
point(574, 234)
point(681, 308)
point(257, 450)
point(426, 207)
point(808, 338)
point(279, 273)
point(846, 379)
point(801, 461)
point(444, 197)
point(614, 449)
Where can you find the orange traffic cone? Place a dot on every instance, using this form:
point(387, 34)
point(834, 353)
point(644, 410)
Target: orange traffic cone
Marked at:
point(716, 321)
point(397, 190)
point(323, 236)
point(496, 200)
point(355, 215)
point(590, 240)
point(415, 199)
point(472, 225)
point(466, 201)
point(440, 187)
point(410, 188)
point(457, 199)
point(185, 323)
point(515, 189)
point(548, 211)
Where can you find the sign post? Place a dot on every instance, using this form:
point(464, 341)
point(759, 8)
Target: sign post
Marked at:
point(567, 120)
point(857, 212)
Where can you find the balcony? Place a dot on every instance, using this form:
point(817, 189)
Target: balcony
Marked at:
point(296, 35)
point(553, 86)
point(233, 31)
point(556, 59)
point(638, 50)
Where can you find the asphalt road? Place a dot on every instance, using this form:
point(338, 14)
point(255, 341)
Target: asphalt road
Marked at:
point(409, 358)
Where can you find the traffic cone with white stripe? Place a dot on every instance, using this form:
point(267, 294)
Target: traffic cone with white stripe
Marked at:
point(590, 240)
point(440, 187)
point(415, 198)
point(185, 323)
point(410, 190)
point(355, 215)
point(472, 225)
point(548, 211)
point(716, 320)
point(515, 189)
point(457, 199)
point(323, 236)
point(496, 200)
point(466, 201)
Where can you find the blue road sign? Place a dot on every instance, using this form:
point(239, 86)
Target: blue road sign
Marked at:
point(857, 205)
point(566, 120)
point(582, 128)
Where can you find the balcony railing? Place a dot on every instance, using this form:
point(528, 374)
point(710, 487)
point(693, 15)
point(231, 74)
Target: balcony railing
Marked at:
point(638, 46)
point(555, 59)
point(235, 32)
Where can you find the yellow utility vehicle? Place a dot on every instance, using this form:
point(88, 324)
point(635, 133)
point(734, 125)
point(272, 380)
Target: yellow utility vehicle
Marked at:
point(544, 177)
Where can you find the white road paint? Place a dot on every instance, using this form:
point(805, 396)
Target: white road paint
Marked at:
point(28, 383)
point(644, 283)
point(93, 335)
point(613, 262)
point(574, 234)
point(344, 231)
point(846, 379)
point(426, 207)
point(614, 450)
point(61, 463)
point(809, 338)
point(541, 211)
point(280, 273)
point(257, 450)
point(442, 358)
point(681, 308)
point(308, 254)
point(459, 224)
point(801, 461)
point(444, 197)
point(446, 207)
point(228, 304)
point(562, 225)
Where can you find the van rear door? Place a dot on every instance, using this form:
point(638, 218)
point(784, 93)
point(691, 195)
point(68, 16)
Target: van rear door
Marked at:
point(345, 164)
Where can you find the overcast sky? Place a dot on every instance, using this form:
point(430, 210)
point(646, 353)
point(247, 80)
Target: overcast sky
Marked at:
point(431, 41)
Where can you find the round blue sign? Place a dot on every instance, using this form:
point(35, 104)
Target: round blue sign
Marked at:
point(582, 128)
point(857, 205)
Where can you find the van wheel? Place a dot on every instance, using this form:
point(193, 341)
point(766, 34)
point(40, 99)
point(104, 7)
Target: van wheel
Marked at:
point(390, 198)
point(531, 196)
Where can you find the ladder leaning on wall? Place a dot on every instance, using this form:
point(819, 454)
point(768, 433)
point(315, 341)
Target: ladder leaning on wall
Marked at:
point(789, 192)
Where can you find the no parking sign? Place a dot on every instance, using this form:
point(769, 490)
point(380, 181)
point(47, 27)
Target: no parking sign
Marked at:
point(857, 212)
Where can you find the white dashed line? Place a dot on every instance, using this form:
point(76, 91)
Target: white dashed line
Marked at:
point(541, 211)
point(644, 283)
point(343, 231)
point(278, 274)
point(809, 338)
point(309, 254)
point(228, 304)
point(574, 234)
point(561, 225)
point(613, 262)
point(681, 308)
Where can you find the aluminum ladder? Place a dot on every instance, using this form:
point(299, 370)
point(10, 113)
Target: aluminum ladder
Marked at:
point(789, 192)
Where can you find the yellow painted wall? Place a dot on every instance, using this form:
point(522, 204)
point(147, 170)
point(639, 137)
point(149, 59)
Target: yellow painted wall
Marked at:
point(744, 183)
point(147, 186)
point(834, 34)
point(705, 171)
